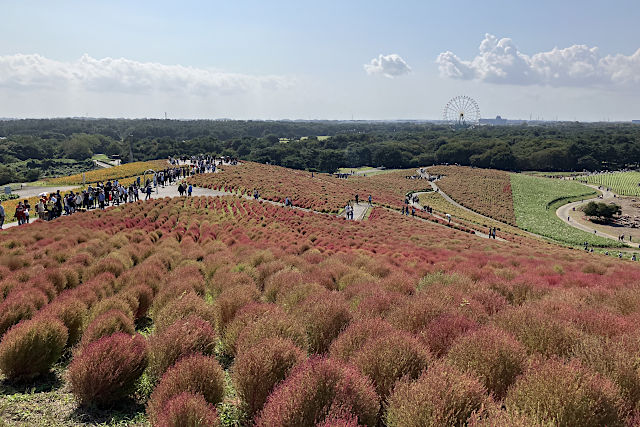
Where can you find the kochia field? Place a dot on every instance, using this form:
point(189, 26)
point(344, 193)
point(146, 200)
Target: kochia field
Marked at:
point(225, 311)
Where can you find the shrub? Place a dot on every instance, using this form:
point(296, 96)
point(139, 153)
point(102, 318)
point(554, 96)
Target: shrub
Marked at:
point(494, 356)
point(538, 331)
point(324, 316)
point(107, 324)
point(316, 389)
point(106, 370)
point(565, 394)
point(181, 308)
point(106, 305)
point(31, 347)
point(196, 374)
point(442, 396)
point(416, 313)
point(188, 409)
point(356, 335)
point(184, 337)
point(443, 330)
point(107, 265)
point(70, 311)
point(20, 305)
point(616, 360)
point(273, 324)
point(387, 358)
point(248, 314)
point(143, 295)
point(258, 369)
point(171, 292)
point(230, 301)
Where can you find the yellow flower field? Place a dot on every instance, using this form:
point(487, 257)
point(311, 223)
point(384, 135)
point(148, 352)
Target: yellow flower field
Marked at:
point(124, 171)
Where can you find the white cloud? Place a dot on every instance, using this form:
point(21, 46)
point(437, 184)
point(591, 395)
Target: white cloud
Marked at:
point(388, 65)
point(125, 76)
point(500, 61)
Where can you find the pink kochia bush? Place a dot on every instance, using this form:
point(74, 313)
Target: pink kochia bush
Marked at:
point(196, 374)
point(317, 389)
point(184, 337)
point(382, 353)
point(70, 311)
point(20, 305)
point(559, 393)
point(106, 370)
point(442, 396)
point(324, 316)
point(259, 368)
point(30, 348)
point(491, 354)
point(107, 324)
point(188, 409)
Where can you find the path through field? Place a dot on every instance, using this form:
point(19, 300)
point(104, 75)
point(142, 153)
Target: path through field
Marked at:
point(564, 212)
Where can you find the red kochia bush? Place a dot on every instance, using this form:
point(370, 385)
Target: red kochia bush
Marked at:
point(230, 301)
point(324, 316)
point(442, 396)
point(19, 306)
point(316, 389)
point(144, 297)
point(196, 374)
point(184, 337)
point(443, 330)
point(259, 368)
point(382, 353)
point(107, 369)
point(270, 324)
point(554, 392)
point(188, 409)
point(182, 307)
point(70, 311)
point(31, 347)
point(493, 355)
point(107, 324)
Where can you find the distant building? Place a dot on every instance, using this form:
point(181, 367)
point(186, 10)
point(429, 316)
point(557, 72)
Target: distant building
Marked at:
point(635, 122)
point(498, 121)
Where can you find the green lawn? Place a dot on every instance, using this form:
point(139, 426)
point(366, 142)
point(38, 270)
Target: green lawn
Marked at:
point(535, 201)
point(623, 183)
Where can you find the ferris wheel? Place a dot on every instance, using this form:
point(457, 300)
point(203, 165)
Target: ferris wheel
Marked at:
point(462, 112)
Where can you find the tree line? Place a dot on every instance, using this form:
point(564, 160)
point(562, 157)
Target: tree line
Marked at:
point(546, 147)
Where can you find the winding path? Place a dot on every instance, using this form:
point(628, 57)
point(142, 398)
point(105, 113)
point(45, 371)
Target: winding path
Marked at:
point(564, 212)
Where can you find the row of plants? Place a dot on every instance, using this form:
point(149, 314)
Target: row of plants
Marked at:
point(622, 183)
point(270, 316)
point(485, 191)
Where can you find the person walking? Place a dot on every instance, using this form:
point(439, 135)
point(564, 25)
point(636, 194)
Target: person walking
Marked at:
point(27, 209)
point(148, 196)
point(190, 190)
point(1, 215)
point(370, 200)
point(357, 197)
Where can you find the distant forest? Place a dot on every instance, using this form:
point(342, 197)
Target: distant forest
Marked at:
point(29, 147)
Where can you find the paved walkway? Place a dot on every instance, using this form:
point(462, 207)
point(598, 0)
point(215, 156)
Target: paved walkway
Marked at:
point(564, 212)
point(477, 232)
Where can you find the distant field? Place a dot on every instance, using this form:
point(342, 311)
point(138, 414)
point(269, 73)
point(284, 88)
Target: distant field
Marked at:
point(623, 183)
point(124, 171)
point(535, 201)
point(551, 174)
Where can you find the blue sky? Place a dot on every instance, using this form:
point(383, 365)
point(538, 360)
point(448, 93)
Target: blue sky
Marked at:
point(300, 59)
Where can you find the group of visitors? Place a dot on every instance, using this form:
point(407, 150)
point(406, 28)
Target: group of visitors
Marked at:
point(621, 238)
point(184, 189)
